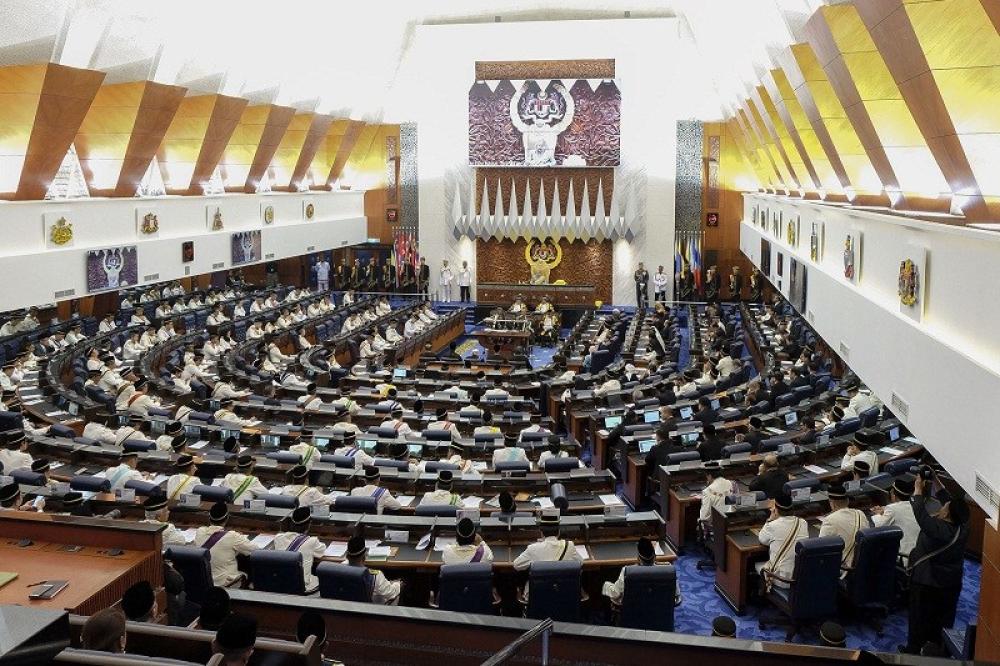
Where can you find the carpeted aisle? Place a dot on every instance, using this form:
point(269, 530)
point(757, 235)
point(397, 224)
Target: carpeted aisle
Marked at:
point(701, 603)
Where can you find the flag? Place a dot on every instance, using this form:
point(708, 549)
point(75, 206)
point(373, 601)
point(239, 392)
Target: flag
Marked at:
point(677, 255)
point(696, 261)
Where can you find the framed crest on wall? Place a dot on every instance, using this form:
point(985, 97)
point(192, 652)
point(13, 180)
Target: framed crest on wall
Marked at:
point(58, 230)
point(816, 242)
point(308, 210)
point(213, 218)
point(147, 222)
point(912, 281)
point(852, 256)
point(267, 212)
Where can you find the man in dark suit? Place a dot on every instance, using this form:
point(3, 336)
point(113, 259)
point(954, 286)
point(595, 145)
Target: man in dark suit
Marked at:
point(808, 435)
point(705, 413)
point(355, 276)
point(755, 433)
point(340, 276)
point(710, 447)
point(667, 418)
point(661, 450)
point(667, 395)
point(800, 377)
point(777, 387)
point(423, 277)
point(770, 477)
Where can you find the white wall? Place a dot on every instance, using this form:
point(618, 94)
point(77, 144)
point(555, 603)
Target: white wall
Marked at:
point(946, 366)
point(34, 272)
point(658, 87)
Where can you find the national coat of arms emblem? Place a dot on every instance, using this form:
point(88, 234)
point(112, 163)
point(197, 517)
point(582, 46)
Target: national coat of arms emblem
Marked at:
point(61, 232)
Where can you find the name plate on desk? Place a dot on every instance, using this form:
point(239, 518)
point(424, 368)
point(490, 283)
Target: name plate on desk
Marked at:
point(740, 457)
point(748, 500)
point(190, 499)
point(615, 511)
point(690, 464)
point(801, 494)
point(320, 511)
point(581, 471)
point(255, 505)
point(125, 494)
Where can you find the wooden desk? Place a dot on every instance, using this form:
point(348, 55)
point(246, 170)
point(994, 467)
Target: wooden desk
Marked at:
point(96, 578)
point(504, 294)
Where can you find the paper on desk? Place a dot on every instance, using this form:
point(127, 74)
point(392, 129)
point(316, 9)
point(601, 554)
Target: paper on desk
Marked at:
point(815, 469)
point(189, 534)
point(100, 475)
point(610, 499)
point(581, 550)
point(493, 501)
point(55, 464)
point(544, 502)
point(380, 551)
point(372, 543)
point(262, 540)
point(657, 548)
point(891, 450)
point(441, 542)
point(159, 478)
point(405, 500)
point(218, 482)
point(336, 549)
point(198, 445)
point(471, 502)
point(480, 465)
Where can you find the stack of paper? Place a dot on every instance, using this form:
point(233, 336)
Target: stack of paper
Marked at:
point(815, 469)
point(610, 499)
point(189, 534)
point(336, 549)
point(472, 502)
point(544, 502)
point(441, 542)
point(405, 500)
point(262, 540)
point(581, 550)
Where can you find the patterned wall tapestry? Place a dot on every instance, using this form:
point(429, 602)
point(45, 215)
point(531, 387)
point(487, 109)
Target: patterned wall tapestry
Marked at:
point(569, 123)
point(687, 190)
point(714, 153)
point(391, 167)
point(409, 185)
point(583, 262)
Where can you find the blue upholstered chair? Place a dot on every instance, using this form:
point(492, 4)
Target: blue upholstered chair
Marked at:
point(554, 591)
point(286, 457)
point(138, 445)
point(401, 465)
point(732, 449)
point(213, 493)
point(439, 510)
point(277, 571)
point(195, 566)
point(437, 435)
point(557, 465)
point(847, 426)
point(900, 466)
point(649, 597)
point(26, 477)
point(348, 504)
point(513, 466)
point(145, 488)
point(811, 595)
point(870, 583)
point(869, 417)
point(435, 466)
point(682, 456)
point(466, 588)
point(344, 582)
point(338, 461)
point(59, 430)
point(280, 501)
point(93, 484)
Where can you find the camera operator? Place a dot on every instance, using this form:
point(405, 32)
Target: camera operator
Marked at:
point(936, 563)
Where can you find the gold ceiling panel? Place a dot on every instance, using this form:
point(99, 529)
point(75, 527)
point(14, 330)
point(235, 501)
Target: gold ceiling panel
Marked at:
point(786, 146)
point(178, 153)
point(790, 115)
point(322, 162)
point(238, 156)
point(287, 154)
point(767, 141)
point(352, 135)
point(847, 29)
point(20, 90)
point(753, 150)
point(955, 34)
point(749, 155)
point(809, 141)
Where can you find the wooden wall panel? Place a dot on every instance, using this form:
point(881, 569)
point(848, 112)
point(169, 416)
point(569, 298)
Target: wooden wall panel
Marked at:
point(988, 631)
point(344, 149)
point(314, 139)
point(583, 262)
point(225, 117)
point(63, 102)
point(156, 111)
point(278, 120)
point(721, 244)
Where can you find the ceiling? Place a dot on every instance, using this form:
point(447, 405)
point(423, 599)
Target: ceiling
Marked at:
point(344, 58)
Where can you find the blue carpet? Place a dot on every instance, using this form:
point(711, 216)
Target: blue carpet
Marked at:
point(684, 354)
point(701, 604)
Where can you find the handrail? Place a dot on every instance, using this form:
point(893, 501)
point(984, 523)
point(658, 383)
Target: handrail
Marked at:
point(543, 629)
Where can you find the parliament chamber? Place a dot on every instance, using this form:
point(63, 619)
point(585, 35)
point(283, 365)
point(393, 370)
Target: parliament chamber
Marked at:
point(504, 333)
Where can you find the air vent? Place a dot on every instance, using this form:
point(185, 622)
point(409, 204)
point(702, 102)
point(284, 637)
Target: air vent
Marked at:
point(845, 351)
point(151, 277)
point(900, 407)
point(269, 255)
point(343, 242)
point(64, 293)
point(187, 270)
point(987, 492)
point(218, 265)
point(311, 248)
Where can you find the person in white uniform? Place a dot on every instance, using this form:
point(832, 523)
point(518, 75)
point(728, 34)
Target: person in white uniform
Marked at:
point(645, 557)
point(15, 454)
point(184, 480)
point(843, 521)
point(223, 546)
point(447, 276)
point(351, 449)
point(384, 591)
point(442, 494)
point(660, 280)
point(550, 548)
point(780, 534)
point(322, 269)
point(300, 488)
point(469, 546)
point(715, 493)
point(157, 513)
point(242, 482)
point(383, 498)
point(899, 512)
point(856, 452)
point(124, 471)
point(465, 283)
point(298, 540)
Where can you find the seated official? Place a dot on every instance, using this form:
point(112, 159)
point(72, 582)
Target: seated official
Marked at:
point(469, 546)
point(300, 489)
point(125, 471)
point(242, 482)
point(185, 479)
point(843, 521)
point(171, 431)
point(509, 451)
point(442, 494)
point(384, 591)
point(662, 450)
point(645, 557)
point(352, 450)
point(857, 451)
point(223, 546)
point(553, 450)
point(771, 478)
point(441, 422)
point(780, 533)
point(550, 548)
point(710, 446)
point(714, 494)
point(298, 540)
point(383, 497)
point(157, 513)
point(14, 454)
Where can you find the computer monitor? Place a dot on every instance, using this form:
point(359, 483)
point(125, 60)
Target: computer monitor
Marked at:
point(791, 418)
point(415, 449)
point(229, 432)
point(893, 433)
point(690, 437)
point(321, 442)
point(715, 403)
point(270, 440)
point(646, 445)
point(652, 416)
point(398, 373)
point(192, 430)
point(214, 405)
point(367, 444)
point(157, 428)
point(612, 421)
point(686, 413)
